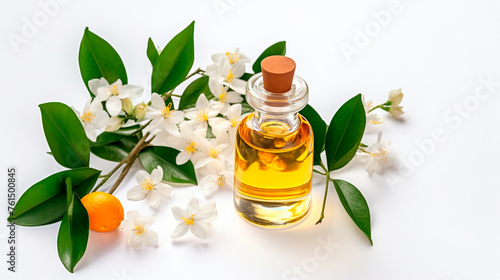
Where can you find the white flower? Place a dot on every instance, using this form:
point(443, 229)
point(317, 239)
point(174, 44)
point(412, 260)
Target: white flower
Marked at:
point(228, 74)
point(137, 230)
point(203, 111)
point(194, 218)
point(163, 117)
point(212, 182)
point(150, 187)
point(93, 117)
point(212, 153)
point(231, 57)
point(186, 143)
point(222, 94)
point(114, 93)
point(395, 98)
point(375, 156)
point(221, 125)
point(371, 117)
point(114, 124)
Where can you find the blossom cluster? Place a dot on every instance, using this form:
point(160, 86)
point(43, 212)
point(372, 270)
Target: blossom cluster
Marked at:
point(203, 134)
point(376, 155)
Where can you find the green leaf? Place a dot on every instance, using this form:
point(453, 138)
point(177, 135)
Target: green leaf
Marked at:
point(115, 151)
point(153, 157)
point(355, 205)
point(65, 135)
point(73, 232)
point(319, 131)
point(152, 52)
point(174, 62)
point(193, 91)
point(276, 49)
point(344, 133)
point(97, 58)
point(111, 137)
point(45, 201)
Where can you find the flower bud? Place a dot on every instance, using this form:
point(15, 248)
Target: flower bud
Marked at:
point(140, 111)
point(127, 106)
point(395, 97)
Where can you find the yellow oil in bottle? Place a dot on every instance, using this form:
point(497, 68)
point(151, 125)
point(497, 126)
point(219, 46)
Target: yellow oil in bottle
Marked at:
point(273, 171)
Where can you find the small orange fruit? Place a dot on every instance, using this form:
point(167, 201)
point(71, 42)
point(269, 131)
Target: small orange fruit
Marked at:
point(105, 211)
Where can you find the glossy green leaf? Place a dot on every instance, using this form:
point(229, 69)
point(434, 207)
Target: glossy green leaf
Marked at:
point(65, 135)
point(174, 62)
point(193, 91)
point(276, 49)
point(355, 205)
point(111, 137)
point(45, 201)
point(115, 151)
point(344, 133)
point(97, 58)
point(74, 231)
point(152, 52)
point(319, 131)
point(153, 157)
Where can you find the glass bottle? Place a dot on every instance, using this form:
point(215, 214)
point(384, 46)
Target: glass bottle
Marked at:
point(274, 148)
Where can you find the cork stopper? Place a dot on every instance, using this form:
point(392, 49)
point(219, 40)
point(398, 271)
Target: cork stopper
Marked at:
point(277, 73)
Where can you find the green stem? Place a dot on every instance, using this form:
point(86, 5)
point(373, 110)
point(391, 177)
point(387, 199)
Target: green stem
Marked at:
point(326, 193)
point(376, 107)
point(176, 95)
point(170, 92)
point(131, 157)
point(319, 172)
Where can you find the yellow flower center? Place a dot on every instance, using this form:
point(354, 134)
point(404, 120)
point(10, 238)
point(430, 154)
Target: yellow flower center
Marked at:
point(87, 116)
point(191, 148)
point(202, 115)
point(166, 113)
point(147, 184)
point(230, 76)
point(223, 96)
point(375, 122)
point(220, 180)
point(139, 230)
point(234, 122)
point(214, 152)
point(188, 221)
point(114, 90)
point(232, 57)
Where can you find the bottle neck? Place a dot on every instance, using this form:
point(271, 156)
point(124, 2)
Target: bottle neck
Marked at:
point(275, 124)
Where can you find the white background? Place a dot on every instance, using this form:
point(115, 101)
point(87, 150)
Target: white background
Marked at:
point(434, 214)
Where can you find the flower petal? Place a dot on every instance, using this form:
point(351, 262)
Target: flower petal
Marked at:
point(141, 175)
point(199, 231)
point(145, 221)
point(206, 216)
point(135, 241)
point(100, 119)
point(150, 238)
point(179, 230)
point(114, 105)
point(164, 189)
point(202, 102)
point(178, 213)
point(157, 102)
point(193, 206)
point(136, 193)
point(153, 198)
point(182, 158)
point(157, 175)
